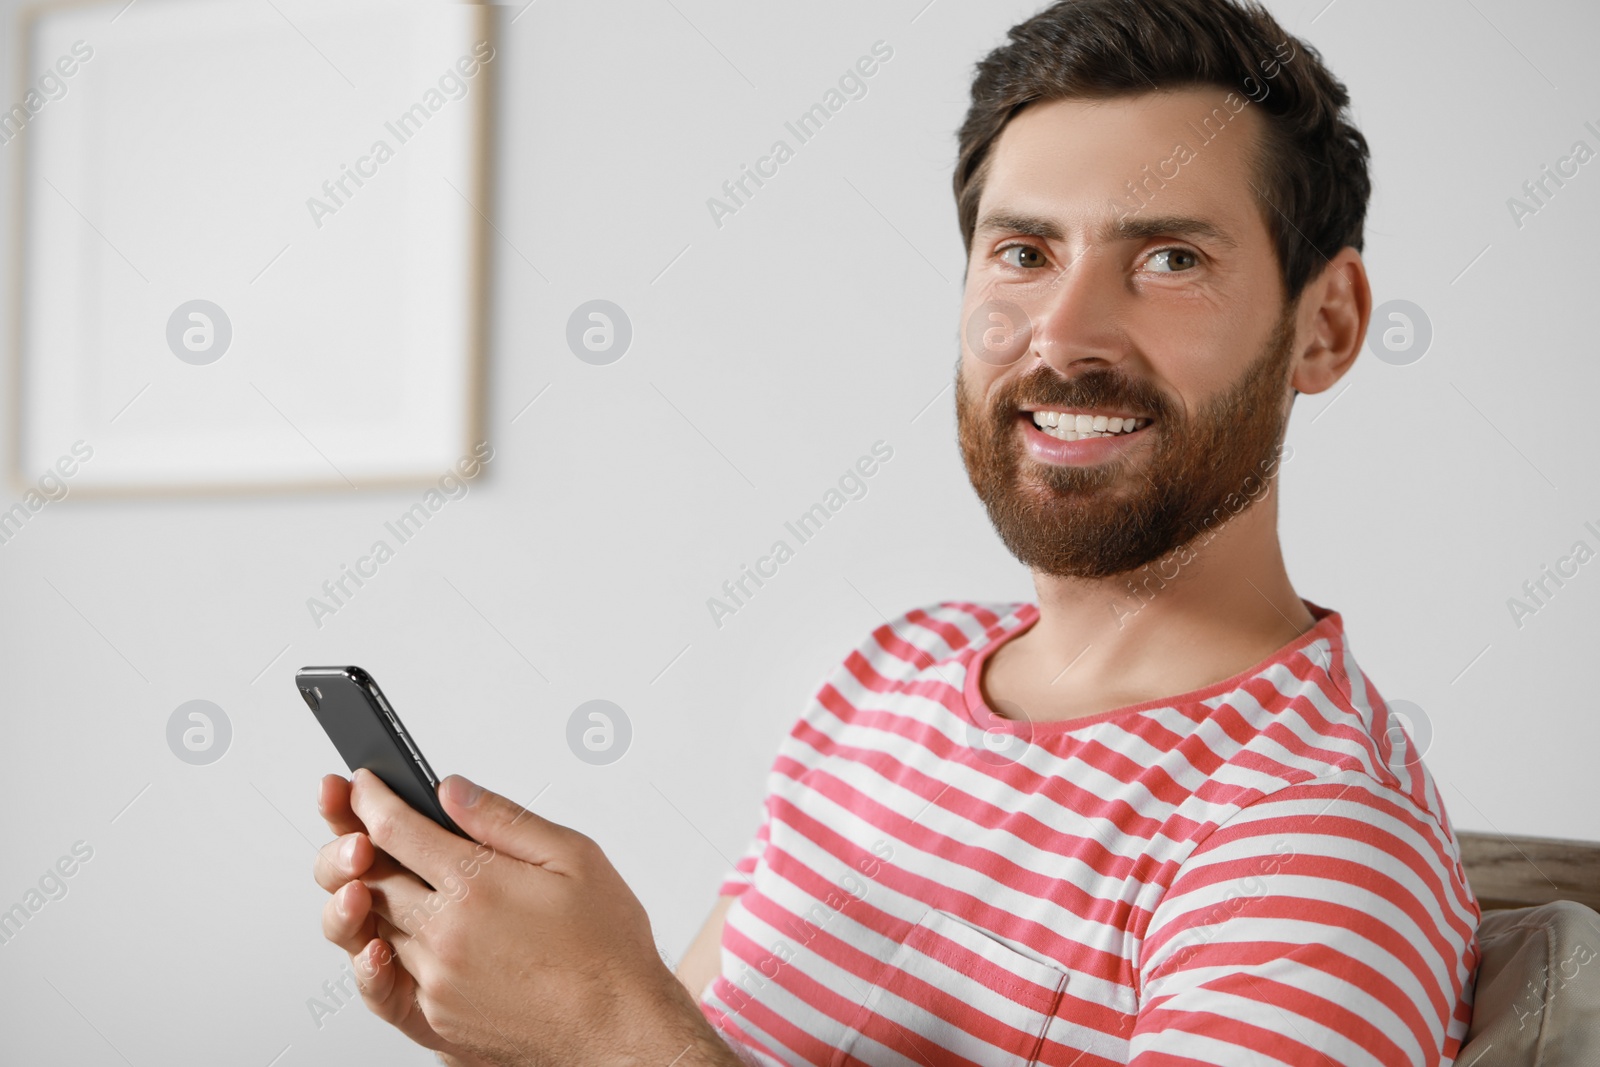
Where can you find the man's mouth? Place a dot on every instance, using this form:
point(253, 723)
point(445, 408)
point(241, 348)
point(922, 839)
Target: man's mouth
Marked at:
point(1078, 425)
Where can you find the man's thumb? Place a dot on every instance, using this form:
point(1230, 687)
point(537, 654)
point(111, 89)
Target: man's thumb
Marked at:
point(502, 824)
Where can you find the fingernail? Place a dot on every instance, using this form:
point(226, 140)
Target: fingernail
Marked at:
point(347, 851)
point(462, 791)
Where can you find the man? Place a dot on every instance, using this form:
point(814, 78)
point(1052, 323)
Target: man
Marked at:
point(1161, 816)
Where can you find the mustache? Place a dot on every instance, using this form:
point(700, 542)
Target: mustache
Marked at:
point(1095, 389)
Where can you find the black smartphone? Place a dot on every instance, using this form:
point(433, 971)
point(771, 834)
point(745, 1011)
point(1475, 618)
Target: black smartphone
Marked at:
point(367, 733)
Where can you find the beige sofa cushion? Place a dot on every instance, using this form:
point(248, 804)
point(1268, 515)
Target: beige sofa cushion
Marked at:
point(1537, 1001)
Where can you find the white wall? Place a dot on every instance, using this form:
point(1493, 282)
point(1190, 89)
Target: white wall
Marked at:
point(770, 355)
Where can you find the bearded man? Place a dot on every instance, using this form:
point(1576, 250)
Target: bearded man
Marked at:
point(1158, 817)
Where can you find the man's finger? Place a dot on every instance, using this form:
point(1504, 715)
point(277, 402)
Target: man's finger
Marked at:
point(401, 899)
point(342, 859)
point(376, 968)
point(347, 918)
point(402, 951)
point(333, 802)
point(416, 841)
point(369, 863)
point(509, 828)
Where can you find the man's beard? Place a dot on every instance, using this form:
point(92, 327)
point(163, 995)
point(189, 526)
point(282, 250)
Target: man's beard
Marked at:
point(1111, 518)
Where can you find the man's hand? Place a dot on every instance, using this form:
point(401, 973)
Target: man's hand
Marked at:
point(387, 988)
point(527, 949)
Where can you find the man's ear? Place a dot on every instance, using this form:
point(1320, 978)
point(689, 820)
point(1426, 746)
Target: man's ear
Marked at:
point(1339, 300)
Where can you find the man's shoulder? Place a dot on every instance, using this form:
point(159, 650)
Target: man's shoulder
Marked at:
point(937, 631)
point(1322, 741)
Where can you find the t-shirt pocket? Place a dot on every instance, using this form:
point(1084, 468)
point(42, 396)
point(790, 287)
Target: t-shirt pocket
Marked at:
point(951, 993)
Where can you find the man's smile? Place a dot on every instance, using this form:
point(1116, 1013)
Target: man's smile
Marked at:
point(1071, 423)
point(1074, 436)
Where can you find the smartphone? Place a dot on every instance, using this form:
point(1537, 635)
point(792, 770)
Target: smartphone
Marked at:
point(367, 733)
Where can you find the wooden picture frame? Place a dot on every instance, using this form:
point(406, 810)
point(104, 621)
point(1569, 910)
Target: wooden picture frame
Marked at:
point(354, 309)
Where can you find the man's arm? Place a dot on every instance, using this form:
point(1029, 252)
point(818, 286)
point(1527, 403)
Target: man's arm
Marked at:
point(1324, 924)
point(702, 960)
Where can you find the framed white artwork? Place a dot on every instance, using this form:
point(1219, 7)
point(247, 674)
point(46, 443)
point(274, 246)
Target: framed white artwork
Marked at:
point(249, 242)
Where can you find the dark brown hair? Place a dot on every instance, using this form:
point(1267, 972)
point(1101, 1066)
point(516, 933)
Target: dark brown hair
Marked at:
point(1312, 185)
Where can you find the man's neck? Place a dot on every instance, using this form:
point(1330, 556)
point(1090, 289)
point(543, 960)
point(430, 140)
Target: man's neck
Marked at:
point(1200, 615)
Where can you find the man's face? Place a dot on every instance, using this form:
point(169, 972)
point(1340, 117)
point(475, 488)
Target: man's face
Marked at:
point(1176, 327)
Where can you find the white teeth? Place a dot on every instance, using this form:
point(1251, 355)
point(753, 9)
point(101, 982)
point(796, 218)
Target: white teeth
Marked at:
point(1069, 427)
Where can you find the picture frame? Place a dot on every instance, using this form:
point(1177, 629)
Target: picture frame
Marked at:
point(249, 244)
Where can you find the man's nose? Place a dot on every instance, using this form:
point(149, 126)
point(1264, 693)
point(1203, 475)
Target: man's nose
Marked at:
point(1079, 315)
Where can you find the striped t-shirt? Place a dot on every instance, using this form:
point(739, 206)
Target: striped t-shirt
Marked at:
point(1257, 872)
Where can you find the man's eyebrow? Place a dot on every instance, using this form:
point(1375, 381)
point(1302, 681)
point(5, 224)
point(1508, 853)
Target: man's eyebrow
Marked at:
point(1122, 228)
point(1137, 228)
point(1017, 222)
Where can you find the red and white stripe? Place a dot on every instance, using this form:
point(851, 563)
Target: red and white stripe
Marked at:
point(1257, 872)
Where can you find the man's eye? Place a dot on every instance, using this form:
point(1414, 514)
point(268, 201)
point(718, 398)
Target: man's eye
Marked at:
point(1186, 260)
point(1024, 250)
